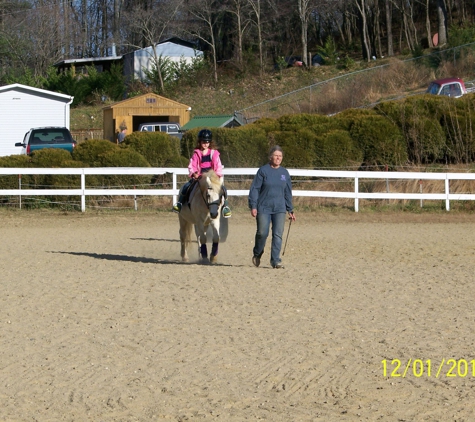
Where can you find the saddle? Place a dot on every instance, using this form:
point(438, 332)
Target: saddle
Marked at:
point(190, 192)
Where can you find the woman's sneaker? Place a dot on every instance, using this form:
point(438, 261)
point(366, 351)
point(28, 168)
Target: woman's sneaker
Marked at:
point(227, 212)
point(176, 207)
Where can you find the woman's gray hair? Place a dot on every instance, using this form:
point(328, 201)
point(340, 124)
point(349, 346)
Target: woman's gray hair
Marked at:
point(274, 149)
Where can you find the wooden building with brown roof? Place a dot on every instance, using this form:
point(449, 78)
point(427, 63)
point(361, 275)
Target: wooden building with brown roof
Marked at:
point(145, 108)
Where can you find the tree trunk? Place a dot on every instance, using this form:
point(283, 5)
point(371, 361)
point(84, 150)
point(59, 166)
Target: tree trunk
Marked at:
point(364, 29)
point(428, 31)
point(442, 18)
point(389, 27)
point(303, 14)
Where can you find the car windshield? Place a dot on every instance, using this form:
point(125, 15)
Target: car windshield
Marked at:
point(50, 136)
point(433, 88)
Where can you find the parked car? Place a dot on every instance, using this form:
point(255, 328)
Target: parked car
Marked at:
point(173, 129)
point(47, 137)
point(451, 87)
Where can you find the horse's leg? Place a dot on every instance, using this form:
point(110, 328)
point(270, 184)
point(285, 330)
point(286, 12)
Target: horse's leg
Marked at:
point(214, 248)
point(200, 231)
point(185, 238)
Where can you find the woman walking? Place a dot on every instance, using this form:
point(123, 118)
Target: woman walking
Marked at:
point(270, 197)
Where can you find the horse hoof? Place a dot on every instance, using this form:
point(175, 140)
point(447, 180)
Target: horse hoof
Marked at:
point(184, 259)
point(204, 261)
point(214, 259)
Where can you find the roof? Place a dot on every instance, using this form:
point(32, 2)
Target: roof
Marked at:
point(179, 41)
point(228, 120)
point(20, 87)
point(158, 102)
point(447, 81)
point(89, 60)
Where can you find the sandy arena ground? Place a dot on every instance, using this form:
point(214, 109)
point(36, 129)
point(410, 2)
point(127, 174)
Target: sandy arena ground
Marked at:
point(100, 320)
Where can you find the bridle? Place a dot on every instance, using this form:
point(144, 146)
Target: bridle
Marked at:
point(206, 200)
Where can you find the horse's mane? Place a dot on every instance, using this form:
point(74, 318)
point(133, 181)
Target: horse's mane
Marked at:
point(214, 179)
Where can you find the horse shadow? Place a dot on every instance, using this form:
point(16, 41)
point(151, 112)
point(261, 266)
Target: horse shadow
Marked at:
point(135, 259)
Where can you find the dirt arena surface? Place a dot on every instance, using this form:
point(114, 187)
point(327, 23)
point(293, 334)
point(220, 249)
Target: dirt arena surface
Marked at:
point(100, 320)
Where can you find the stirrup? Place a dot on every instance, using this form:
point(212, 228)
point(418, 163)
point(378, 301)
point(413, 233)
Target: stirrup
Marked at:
point(176, 207)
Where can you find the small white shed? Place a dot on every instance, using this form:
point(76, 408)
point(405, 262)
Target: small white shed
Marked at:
point(23, 107)
point(174, 49)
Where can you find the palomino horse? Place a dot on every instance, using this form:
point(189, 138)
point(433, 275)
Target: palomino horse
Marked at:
point(202, 211)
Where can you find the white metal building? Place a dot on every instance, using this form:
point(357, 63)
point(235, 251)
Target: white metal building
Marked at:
point(23, 107)
point(174, 49)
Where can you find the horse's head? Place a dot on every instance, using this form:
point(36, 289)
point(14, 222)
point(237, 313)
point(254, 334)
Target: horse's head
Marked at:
point(211, 189)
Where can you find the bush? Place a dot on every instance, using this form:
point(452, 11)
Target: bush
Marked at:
point(91, 152)
point(267, 124)
point(418, 119)
point(14, 161)
point(337, 149)
point(50, 157)
point(245, 146)
point(460, 135)
point(380, 140)
point(103, 153)
point(301, 121)
point(298, 146)
point(159, 149)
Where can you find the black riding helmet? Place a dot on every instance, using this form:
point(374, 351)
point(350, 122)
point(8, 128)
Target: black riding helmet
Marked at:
point(205, 135)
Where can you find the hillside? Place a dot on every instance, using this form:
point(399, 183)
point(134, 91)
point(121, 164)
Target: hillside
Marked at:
point(332, 89)
point(230, 95)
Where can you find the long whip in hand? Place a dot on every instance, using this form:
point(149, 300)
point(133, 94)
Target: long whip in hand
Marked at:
point(287, 238)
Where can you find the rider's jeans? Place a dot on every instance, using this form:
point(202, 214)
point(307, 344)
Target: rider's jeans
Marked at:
point(263, 225)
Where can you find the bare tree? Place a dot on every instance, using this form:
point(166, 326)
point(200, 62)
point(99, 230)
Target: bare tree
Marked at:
point(256, 6)
point(204, 16)
point(361, 5)
point(152, 27)
point(304, 8)
point(239, 9)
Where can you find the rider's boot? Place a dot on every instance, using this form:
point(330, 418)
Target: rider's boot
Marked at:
point(226, 211)
point(182, 195)
point(177, 206)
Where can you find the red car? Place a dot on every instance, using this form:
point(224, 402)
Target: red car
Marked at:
point(451, 87)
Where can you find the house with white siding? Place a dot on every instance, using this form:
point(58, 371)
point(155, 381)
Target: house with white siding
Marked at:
point(23, 107)
point(174, 49)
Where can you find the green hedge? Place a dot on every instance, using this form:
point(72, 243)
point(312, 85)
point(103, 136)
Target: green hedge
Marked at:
point(337, 148)
point(380, 140)
point(245, 146)
point(159, 149)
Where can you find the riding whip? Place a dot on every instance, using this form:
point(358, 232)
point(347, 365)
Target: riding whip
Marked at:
point(287, 238)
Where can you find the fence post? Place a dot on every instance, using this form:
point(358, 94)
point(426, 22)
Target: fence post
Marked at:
point(356, 194)
point(420, 190)
point(174, 187)
point(447, 192)
point(19, 187)
point(83, 189)
point(135, 201)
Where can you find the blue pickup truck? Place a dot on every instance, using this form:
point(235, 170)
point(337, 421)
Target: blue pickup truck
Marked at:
point(47, 137)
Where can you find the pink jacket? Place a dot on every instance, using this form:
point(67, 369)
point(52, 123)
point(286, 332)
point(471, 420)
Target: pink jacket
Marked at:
point(195, 162)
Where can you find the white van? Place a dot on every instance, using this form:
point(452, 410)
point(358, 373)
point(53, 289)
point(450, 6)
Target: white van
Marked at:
point(173, 129)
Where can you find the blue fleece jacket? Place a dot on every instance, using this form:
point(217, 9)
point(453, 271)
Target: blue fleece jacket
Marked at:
point(271, 191)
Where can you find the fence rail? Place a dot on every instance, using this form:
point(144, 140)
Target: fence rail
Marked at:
point(354, 176)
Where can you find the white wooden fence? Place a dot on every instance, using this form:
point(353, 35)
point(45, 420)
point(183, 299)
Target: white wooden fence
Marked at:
point(354, 176)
